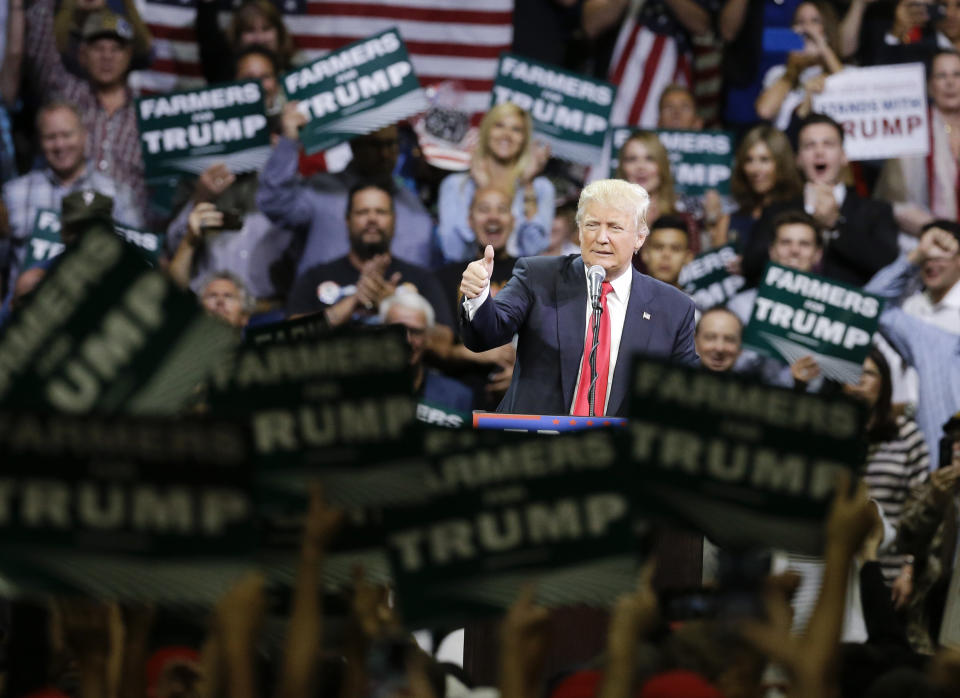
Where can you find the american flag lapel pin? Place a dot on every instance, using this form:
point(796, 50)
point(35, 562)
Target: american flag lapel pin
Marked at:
point(646, 315)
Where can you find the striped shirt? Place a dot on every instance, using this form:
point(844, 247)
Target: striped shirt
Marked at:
point(932, 351)
point(894, 468)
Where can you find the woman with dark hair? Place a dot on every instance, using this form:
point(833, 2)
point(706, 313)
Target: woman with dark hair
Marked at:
point(897, 461)
point(764, 172)
point(254, 23)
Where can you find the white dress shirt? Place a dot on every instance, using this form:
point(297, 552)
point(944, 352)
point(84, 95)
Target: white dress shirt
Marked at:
point(617, 301)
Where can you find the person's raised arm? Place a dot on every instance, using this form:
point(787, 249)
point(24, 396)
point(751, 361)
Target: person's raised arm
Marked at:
point(732, 16)
point(633, 616)
point(13, 55)
point(142, 39)
point(280, 196)
point(692, 16)
point(45, 68)
point(203, 216)
point(239, 616)
point(215, 51)
point(600, 15)
point(850, 27)
point(301, 653)
point(523, 647)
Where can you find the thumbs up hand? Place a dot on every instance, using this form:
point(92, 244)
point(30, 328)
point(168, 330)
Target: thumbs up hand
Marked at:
point(477, 275)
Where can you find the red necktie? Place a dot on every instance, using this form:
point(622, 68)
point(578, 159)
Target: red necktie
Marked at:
point(582, 404)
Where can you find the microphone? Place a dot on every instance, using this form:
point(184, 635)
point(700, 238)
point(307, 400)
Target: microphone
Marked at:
point(595, 276)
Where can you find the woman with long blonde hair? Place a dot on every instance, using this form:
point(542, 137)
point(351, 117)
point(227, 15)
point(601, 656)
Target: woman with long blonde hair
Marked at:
point(507, 158)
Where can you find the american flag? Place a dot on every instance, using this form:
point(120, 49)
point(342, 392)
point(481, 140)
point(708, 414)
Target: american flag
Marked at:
point(447, 39)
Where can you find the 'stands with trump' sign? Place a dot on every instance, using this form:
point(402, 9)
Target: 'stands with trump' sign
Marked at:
point(707, 280)
point(354, 90)
point(505, 506)
point(746, 464)
point(187, 132)
point(882, 110)
point(570, 111)
point(798, 314)
point(140, 509)
point(699, 160)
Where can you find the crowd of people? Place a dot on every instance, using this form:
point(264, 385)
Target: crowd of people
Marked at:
point(387, 239)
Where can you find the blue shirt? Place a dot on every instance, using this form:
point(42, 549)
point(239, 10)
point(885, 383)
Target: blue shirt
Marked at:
point(932, 351)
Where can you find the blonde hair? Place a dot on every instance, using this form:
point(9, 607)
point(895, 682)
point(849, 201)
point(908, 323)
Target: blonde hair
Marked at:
point(618, 194)
point(482, 151)
point(665, 195)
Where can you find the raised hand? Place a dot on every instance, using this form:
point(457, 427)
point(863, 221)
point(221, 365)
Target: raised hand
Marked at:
point(477, 275)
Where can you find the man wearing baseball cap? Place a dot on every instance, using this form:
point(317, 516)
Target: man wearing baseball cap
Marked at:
point(103, 98)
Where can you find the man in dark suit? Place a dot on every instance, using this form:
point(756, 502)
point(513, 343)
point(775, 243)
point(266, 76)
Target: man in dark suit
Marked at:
point(545, 303)
point(860, 235)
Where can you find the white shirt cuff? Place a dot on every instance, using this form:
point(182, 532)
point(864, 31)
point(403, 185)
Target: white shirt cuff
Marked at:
point(471, 305)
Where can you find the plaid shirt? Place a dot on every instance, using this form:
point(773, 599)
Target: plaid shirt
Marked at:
point(113, 140)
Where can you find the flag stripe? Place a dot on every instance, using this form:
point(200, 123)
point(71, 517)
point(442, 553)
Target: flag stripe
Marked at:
point(458, 40)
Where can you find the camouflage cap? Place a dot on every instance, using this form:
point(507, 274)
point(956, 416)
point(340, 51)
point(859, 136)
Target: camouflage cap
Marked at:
point(104, 23)
point(86, 206)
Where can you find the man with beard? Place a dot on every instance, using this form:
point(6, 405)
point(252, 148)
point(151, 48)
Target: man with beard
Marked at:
point(350, 289)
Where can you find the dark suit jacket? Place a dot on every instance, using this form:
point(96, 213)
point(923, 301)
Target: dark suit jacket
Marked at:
point(866, 240)
point(545, 303)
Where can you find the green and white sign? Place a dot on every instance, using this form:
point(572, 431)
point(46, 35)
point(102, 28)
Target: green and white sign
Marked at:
point(44, 243)
point(132, 508)
point(307, 327)
point(699, 160)
point(707, 281)
point(336, 407)
point(442, 416)
point(506, 507)
point(105, 333)
point(187, 132)
point(570, 111)
point(798, 314)
point(151, 244)
point(357, 89)
point(745, 463)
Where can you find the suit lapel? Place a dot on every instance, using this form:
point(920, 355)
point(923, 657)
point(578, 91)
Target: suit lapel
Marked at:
point(634, 339)
point(571, 295)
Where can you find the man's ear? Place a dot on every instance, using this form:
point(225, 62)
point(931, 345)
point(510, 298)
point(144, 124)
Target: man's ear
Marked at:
point(688, 257)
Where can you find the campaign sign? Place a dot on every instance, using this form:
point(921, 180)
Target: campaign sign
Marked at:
point(44, 243)
point(570, 111)
point(140, 509)
point(105, 332)
point(306, 327)
point(357, 89)
point(187, 132)
point(744, 463)
point(797, 314)
point(336, 407)
point(699, 160)
point(707, 281)
point(882, 109)
point(505, 507)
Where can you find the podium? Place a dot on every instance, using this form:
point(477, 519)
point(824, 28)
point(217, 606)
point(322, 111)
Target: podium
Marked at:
point(542, 423)
point(578, 633)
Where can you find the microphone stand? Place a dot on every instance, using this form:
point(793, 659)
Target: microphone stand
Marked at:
point(597, 312)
